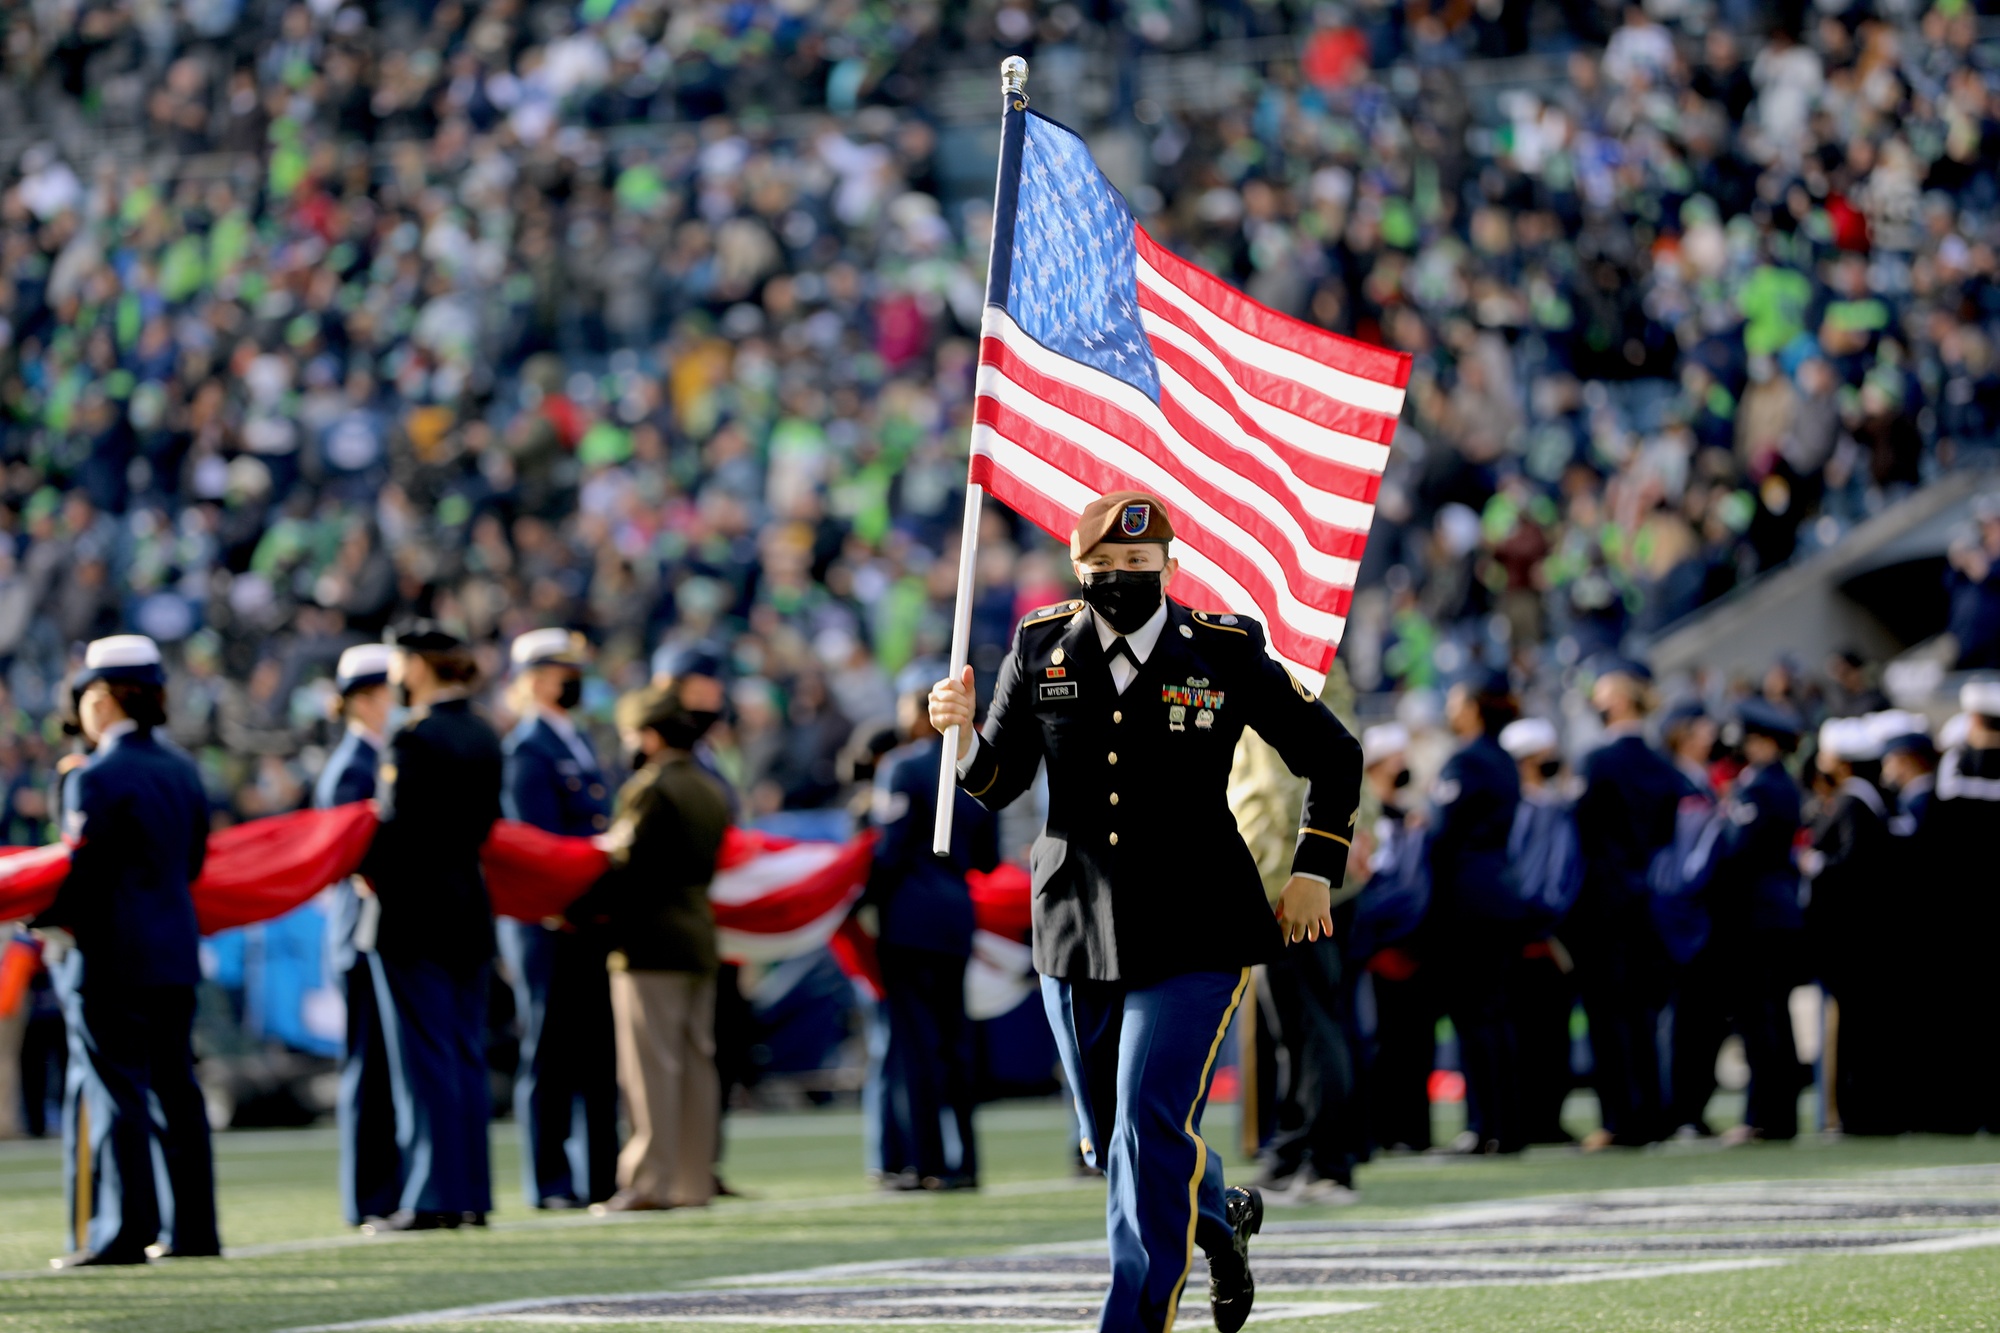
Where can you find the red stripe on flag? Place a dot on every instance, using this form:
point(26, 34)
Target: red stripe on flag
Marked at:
point(1209, 292)
point(1313, 471)
point(1301, 400)
point(1290, 642)
point(1324, 537)
point(1100, 476)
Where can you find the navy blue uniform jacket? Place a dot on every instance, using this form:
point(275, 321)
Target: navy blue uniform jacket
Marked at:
point(548, 786)
point(1140, 873)
point(137, 818)
point(1476, 795)
point(1755, 884)
point(1631, 795)
point(923, 898)
point(442, 796)
point(349, 776)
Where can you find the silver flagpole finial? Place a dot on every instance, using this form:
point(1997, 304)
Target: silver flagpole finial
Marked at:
point(1014, 76)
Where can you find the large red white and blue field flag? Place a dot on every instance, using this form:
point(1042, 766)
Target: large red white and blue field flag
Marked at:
point(1109, 363)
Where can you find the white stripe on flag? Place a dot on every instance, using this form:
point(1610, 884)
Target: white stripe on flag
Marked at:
point(1318, 622)
point(769, 871)
point(1038, 474)
point(1274, 357)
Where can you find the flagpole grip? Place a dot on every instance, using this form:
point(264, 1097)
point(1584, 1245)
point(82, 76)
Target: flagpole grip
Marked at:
point(961, 648)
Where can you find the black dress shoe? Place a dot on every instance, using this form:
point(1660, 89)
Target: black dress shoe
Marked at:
point(174, 1252)
point(473, 1218)
point(99, 1259)
point(1231, 1289)
point(405, 1219)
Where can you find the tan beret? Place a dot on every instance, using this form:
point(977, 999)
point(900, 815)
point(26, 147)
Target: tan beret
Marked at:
point(1122, 518)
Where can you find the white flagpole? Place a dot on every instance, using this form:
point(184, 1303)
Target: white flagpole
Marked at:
point(961, 633)
point(1013, 100)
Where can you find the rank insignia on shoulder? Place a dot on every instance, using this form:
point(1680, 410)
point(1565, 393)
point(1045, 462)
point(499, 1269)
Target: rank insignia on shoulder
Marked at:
point(1300, 686)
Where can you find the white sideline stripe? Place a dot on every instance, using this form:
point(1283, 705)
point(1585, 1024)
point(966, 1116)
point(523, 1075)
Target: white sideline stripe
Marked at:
point(1940, 1244)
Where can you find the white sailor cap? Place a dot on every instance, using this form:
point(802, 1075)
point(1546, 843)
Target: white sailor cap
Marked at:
point(362, 665)
point(1893, 724)
point(1379, 742)
point(1528, 736)
point(1981, 697)
point(1849, 738)
point(1957, 729)
point(131, 657)
point(547, 647)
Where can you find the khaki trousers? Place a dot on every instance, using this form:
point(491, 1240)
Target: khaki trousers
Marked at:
point(13, 1032)
point(665, 1024)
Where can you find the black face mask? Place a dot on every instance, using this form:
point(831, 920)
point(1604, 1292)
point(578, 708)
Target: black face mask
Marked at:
point(683, 727)
point(1551, 767)
point(403, 696)
point(1402, 778)
point(1126, 598)
point(571, 693)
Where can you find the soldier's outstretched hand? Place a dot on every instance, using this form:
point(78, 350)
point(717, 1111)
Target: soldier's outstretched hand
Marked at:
point(951, 706)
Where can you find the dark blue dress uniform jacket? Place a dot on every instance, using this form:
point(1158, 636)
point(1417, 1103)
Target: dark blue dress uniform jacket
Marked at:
point(139, 820)
point(1631, 795)
point(1755, 884)
point(1141, 874)
point(925, 903)
point(441, 790)
point(549, 787)
point(1476, 795)
point(349, 776)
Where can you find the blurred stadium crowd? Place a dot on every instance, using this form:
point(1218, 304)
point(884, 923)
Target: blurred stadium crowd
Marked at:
point(429, 315)
point(657, 321)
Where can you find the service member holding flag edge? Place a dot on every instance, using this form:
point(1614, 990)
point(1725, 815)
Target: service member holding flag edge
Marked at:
point(1148, 910)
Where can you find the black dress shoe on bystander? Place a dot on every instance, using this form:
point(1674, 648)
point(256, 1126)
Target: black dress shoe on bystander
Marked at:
point(405, 1219)
point(99, 1259)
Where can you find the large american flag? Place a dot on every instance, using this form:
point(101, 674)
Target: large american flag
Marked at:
point(1108, 363)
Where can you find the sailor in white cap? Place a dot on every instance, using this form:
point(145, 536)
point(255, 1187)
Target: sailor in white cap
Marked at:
point(136, 819)
point(1847, 926)
point(561, 989)
point(1395, 1085)
point(1541, 993)
point(371, 1177)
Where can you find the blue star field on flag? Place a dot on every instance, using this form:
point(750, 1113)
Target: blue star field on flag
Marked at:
point(1073, 286)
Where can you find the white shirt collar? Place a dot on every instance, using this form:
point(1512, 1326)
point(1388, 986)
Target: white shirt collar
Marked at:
point(1141, 639)
point(374, 738)
point(117, 731)
point(558, 722)
point(565, 729)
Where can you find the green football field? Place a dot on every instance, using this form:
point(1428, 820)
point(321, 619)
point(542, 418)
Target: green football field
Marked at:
point(1901, 1234)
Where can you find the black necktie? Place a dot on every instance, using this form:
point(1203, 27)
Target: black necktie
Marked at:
point(1122, 647)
